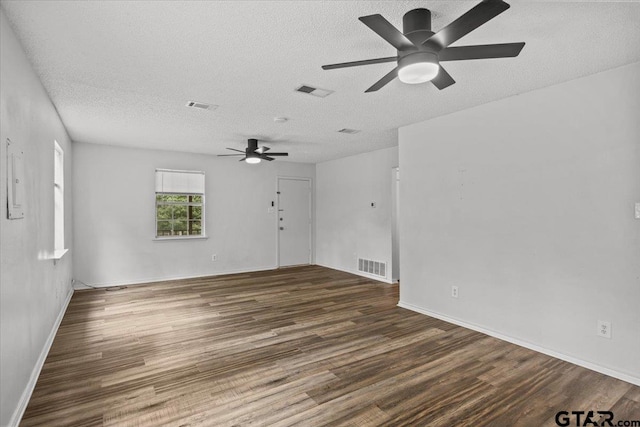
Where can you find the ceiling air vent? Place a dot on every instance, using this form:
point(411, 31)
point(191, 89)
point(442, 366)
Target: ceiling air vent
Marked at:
point(201, 105)
point(321, 93)
point(349, 131)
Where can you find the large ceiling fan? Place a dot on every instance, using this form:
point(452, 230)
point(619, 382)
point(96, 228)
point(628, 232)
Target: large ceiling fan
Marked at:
point(253, 154)
point(420, 50)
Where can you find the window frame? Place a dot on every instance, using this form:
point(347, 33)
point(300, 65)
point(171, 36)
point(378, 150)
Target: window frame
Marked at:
point(58, 202)
point(187, 204)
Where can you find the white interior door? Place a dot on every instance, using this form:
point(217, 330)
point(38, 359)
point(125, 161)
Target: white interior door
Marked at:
point(294, 221)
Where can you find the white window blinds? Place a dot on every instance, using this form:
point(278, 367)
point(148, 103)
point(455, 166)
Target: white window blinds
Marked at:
point(176, 181)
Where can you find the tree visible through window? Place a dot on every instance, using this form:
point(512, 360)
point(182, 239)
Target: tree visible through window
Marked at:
point(178, 215)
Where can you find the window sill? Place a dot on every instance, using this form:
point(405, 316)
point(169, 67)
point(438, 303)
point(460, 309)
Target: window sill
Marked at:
point(58, 254)
point(174, 238)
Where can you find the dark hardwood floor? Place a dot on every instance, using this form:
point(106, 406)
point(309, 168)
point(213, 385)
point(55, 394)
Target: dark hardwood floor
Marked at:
point(303, 346)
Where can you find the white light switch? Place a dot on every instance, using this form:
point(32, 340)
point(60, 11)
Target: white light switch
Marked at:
point(638, 210)
point(270, 210)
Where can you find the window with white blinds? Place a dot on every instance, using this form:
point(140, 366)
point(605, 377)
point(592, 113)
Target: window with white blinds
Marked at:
point(58, 200)
point(179, 203)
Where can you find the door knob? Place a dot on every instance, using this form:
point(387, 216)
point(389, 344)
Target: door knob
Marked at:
point(281, 228)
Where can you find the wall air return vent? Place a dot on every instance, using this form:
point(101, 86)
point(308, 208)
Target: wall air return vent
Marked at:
point(376, 268)
point(310, 90)
point(201, 105)
point(349, 131)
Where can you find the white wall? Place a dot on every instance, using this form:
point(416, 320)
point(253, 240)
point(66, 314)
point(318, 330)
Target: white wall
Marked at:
point(395, 224)
point(33, 291)
point(347, 226)
point(115, 223)
point(527, 204)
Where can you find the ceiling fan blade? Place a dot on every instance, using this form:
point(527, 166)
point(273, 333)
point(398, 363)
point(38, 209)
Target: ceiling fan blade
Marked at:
point(383, 81)
point(265, 157)
point(484, 51)
point(233, 149)
point(277, 154)
point(384, 29)
point(443, 79)
point(478, 15)
point(242, 159)
point(262, 149)
point(359, 63)
point(227, 155)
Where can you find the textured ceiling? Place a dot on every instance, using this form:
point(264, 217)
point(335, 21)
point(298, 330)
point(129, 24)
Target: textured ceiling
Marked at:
point(121, 72)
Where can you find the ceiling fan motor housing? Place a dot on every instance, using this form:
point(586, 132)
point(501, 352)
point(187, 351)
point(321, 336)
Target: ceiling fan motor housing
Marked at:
point(416, 26)
point(252, 145)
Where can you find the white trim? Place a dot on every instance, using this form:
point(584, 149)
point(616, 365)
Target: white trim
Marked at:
point(133, 282)
point(35, 373)
point(59, 253)
point(358, 273)
point(172, 238)
point(178, 171)
point(571, 359)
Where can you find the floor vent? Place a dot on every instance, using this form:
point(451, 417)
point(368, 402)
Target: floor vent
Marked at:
point(372, 267)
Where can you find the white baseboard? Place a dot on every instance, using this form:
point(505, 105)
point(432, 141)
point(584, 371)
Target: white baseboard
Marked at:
point(589, 365)
point(134, 282)
point(35, 373)
point(358, 273)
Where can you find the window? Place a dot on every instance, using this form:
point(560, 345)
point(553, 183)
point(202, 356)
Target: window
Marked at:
point(58, 200)
point(178, 215)
point(179, 204)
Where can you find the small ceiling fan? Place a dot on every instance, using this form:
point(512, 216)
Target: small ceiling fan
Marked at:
point(420, 50)
point(253, 154)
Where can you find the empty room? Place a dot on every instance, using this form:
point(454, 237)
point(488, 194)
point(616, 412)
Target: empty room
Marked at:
point(310, 213)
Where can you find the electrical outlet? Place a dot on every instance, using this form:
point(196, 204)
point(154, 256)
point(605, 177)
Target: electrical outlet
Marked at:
point(214, 257)
point(604, 329)
point(454, 292)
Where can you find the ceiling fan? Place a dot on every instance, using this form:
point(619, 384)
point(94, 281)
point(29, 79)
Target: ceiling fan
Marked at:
point(253, 154)
point(420, 50)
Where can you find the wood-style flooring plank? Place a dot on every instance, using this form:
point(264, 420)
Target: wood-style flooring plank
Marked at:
point(303, 346)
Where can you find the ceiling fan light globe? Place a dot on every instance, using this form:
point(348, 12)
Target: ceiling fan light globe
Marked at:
point(419, 67)
point(420, 72)
point(253, 160)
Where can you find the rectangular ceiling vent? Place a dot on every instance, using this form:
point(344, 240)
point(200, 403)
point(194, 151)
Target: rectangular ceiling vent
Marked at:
point(310, 90)
point(349, 131)
point(376, 268)
point(201, 105)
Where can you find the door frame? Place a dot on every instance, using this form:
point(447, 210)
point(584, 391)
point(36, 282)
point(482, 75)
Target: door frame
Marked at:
point(277, 216)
